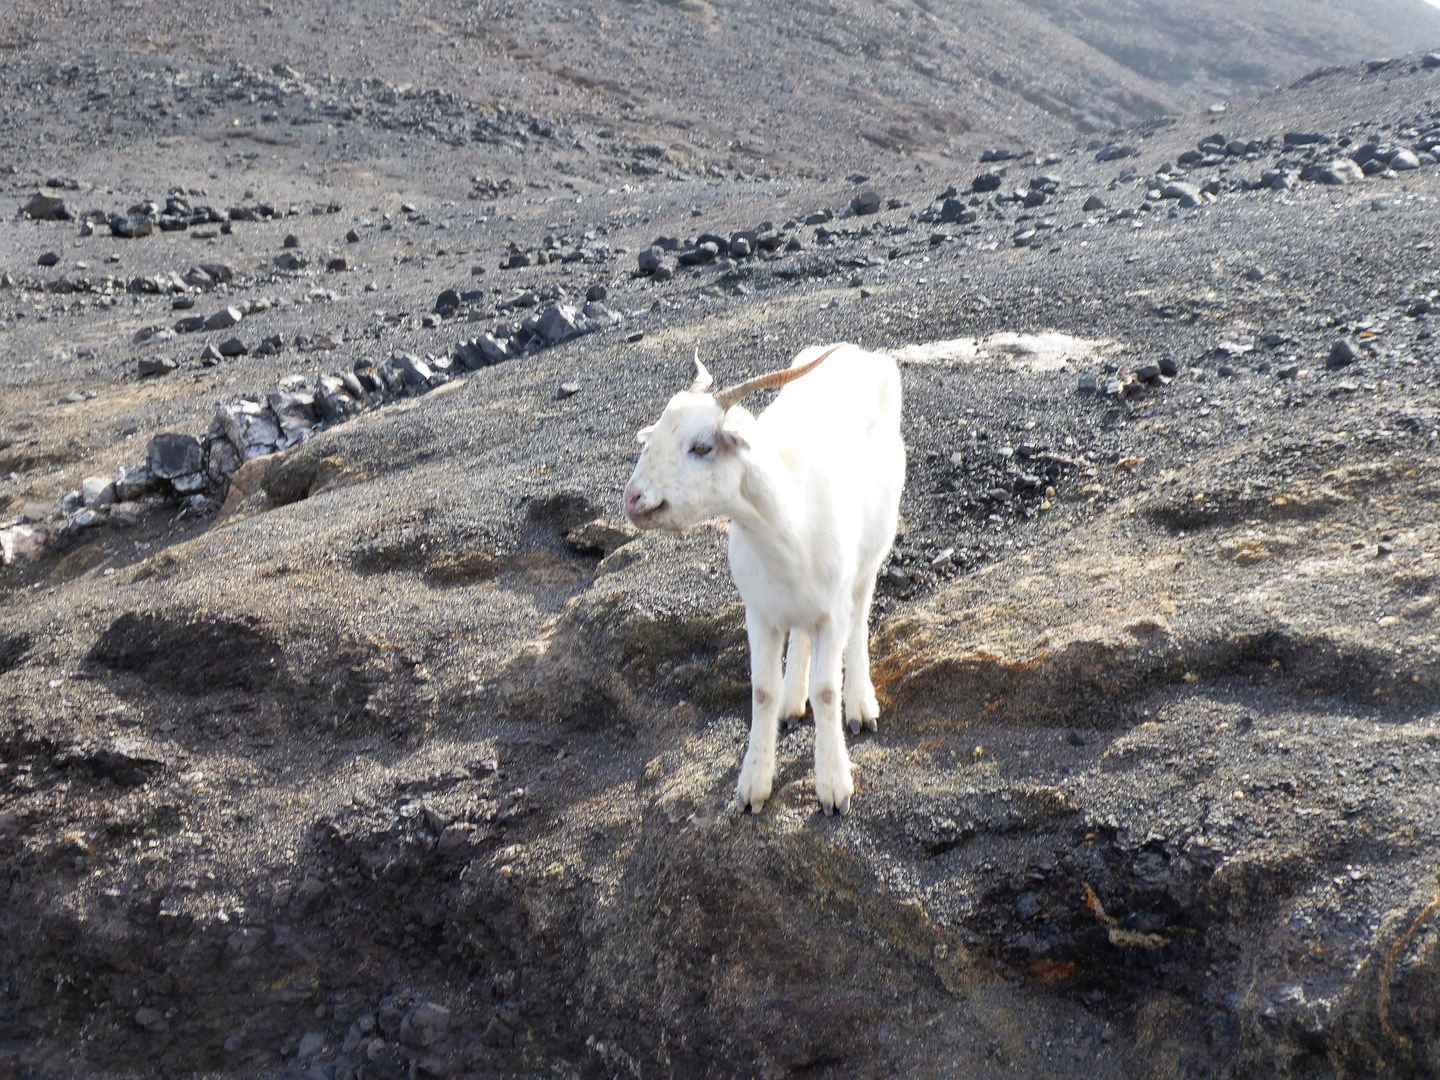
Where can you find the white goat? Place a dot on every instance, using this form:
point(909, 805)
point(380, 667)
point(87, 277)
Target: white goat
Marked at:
point(812, 491)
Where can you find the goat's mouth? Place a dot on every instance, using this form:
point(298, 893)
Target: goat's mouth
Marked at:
point(647, 519)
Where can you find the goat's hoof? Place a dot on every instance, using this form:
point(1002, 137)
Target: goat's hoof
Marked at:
point(844, 806)
point(854, 726)
point(871, 724)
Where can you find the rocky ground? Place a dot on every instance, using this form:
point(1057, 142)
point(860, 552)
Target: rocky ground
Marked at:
point(348, 732)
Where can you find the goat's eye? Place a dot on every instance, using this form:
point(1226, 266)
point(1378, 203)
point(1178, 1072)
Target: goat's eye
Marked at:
point(701, 449)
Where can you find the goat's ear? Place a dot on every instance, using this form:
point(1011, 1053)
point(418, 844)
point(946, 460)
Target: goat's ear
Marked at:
point(732, 435)
point(643, 435)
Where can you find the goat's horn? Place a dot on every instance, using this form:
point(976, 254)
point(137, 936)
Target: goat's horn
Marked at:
point(703, 379)
point(733, 395)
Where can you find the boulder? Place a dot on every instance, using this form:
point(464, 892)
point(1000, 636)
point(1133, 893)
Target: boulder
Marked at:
point(171, 454)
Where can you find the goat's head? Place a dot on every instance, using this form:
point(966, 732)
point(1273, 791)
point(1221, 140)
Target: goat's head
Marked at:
point(693, 459)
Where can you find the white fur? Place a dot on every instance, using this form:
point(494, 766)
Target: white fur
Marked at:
point(812, 491)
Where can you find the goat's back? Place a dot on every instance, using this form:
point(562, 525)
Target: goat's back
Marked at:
point(853, 394)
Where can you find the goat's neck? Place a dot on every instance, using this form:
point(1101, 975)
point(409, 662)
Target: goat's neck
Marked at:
point(765, 512)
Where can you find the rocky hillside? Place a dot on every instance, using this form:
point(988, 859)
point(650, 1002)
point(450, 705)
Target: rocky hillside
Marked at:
point(347, 731)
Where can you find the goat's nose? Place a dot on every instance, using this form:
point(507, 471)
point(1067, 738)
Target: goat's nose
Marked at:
point(633, 495)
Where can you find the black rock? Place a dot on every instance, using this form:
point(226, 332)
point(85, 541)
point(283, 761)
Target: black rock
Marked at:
point(337, 264)
point(171, 454)
point(1168, 367)
point(987, 181)
point(1432, 60)
point(1116, 153)
point(292, 241)
point(131, 226)
point(1342, 354)
point(596, 293)
point(650, 259)
point(190, 325)
point(955, 212)
point(352, 237)
point(447, 303)
point(42, 207)
point(1148, 372)
point(1303, 138)
point(155, 365)
point(50, 258)
point(1088, 384)
point(290, 260)
point(1095, 203)
point(1225, 371)
point(867, 202)
point(232, 347)
point(700, 253)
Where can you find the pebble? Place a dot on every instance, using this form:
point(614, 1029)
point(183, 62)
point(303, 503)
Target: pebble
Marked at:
point(867, 202)
point(1088, 384)
point(1404, 160)
point(1342, 171)
point(1342, 354)
point(987, 181)
point(232, 347)
point(223, 319)
point(155, 365)
point(1095, 203)
point(447, 304)
point(1187, 194)
point(337, 264)
point(42, 207)
point(50, 258)
point(568, 389)
point(1432, 60)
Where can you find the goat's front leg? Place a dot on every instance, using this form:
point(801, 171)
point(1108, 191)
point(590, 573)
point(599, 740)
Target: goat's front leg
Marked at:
point(757, 775)
point(833, 785)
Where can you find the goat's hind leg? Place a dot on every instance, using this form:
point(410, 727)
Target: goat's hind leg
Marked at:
point(833, 783)
point(797, 678)
point(862, 710)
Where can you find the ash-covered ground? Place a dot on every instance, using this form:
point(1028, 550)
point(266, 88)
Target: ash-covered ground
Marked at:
point(347, 732)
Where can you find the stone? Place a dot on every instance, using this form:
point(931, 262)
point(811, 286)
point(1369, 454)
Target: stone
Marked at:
point(955, 212)
point(222, 461)
point(295, 412)
point(447, 304)
point(663, 273)
point(495, 350)
point(133, 481)
point(291, 260)
point(1188, 195)
point(1094, 204)
point(651, 259)
point(1168, 367)
point(1341, 171)
point(155, 365)
point(152, 1020)
point(232, 347)
point(50, 258)
point(171, 454)
point(1116, 153)
point(311, 1043)
point(1404, 160)
point(819, 217)
point(703, 252)
point(415, 373)
point(42, 207)
point(1343, 353)
point(557, 324)
point(333, 399)
point(596, 293)
point(987, 181)
point(250, 427)
point(223, 319)
point(1432, 60)
point(97, 491)
point(866, 202)
point(1088, 384)
point(337, 265)
point(291, 241)
point(567, 389)
point(425, 1025)
point(22, 543)
point(131, 226)
point(1303, 138)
